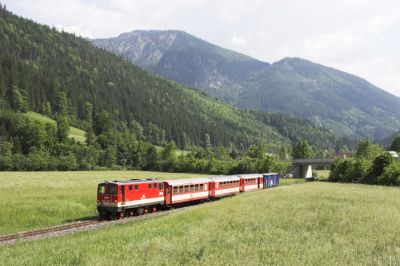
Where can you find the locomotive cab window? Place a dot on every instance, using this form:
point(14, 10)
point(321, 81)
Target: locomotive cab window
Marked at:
point(130, 187)
point(102, 189)
point(136, 187)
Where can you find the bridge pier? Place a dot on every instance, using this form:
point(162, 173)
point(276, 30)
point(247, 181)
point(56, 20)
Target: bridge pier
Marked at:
point(306, 171)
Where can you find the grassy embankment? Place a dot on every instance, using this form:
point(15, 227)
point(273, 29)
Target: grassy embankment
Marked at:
point(315, 223)
point(322, 174)
point(76, 133)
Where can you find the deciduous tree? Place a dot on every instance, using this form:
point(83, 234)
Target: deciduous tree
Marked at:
point(302, 150)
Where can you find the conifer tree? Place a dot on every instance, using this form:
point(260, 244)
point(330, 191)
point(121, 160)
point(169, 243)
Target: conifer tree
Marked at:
point(62, 128)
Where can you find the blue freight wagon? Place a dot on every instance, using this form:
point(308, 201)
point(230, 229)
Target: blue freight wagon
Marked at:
point(271, 180)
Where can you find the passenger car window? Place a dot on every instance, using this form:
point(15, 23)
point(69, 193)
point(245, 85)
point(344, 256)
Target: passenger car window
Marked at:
point(130, 187)
point(175, 190)
point(136, 187)
point(160, 186)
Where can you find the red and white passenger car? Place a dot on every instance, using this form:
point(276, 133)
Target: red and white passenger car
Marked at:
point(186, 190)
point(221, 186)
point(129, 197)
point(250, 182)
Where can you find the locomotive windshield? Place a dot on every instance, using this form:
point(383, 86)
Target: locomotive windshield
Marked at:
point(102, 189)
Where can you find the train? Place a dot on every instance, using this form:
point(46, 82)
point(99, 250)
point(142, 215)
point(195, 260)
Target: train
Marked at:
point(132, 197)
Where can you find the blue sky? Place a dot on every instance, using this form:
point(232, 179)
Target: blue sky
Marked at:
point(357, 36)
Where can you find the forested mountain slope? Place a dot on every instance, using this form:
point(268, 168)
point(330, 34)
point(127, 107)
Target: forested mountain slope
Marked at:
point(42, 62)
point(334, 99)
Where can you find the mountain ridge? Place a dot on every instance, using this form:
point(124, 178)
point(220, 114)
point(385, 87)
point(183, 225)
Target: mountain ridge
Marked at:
point(331, 98)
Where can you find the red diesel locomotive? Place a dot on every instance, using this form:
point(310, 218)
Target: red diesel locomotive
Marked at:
point(123, 198)
point(129, 197)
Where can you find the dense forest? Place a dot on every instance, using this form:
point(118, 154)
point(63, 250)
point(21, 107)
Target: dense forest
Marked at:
point(29, 145)
point(125, 112)
point(372, 164)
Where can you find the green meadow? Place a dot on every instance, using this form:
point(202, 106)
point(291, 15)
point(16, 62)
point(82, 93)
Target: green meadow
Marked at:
point(39, 199)
point(30, 200)
point(322, 174)
point(313, 223)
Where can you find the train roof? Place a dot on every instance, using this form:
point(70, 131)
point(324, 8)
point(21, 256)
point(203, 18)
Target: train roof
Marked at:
point(271, 174)
point(133, 181)
point(225, 178)
point(179, 182)
point(250, 175)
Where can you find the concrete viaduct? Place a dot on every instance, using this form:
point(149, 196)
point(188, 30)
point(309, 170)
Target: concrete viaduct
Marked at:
point(303, 167)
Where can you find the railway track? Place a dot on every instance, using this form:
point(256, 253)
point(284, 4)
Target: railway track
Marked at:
point(54, 230)
point(74, 227)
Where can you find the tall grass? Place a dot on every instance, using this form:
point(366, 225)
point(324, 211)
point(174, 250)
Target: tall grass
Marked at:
point(39, 199)
point(315, 223)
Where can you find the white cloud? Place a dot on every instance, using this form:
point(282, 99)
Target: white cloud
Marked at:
point(239, 40)
point(78, 29)
point(328, 45)
point(357, 36)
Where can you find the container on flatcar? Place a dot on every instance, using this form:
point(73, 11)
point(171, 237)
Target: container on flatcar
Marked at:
point(250, 182)
point(270, 180)
point(186, 190)
point(276, 179)
point(221, 186)
point(129, 197)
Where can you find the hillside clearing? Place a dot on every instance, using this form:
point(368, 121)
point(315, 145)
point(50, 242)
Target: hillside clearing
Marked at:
point(75, 133)
point(309, 224)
